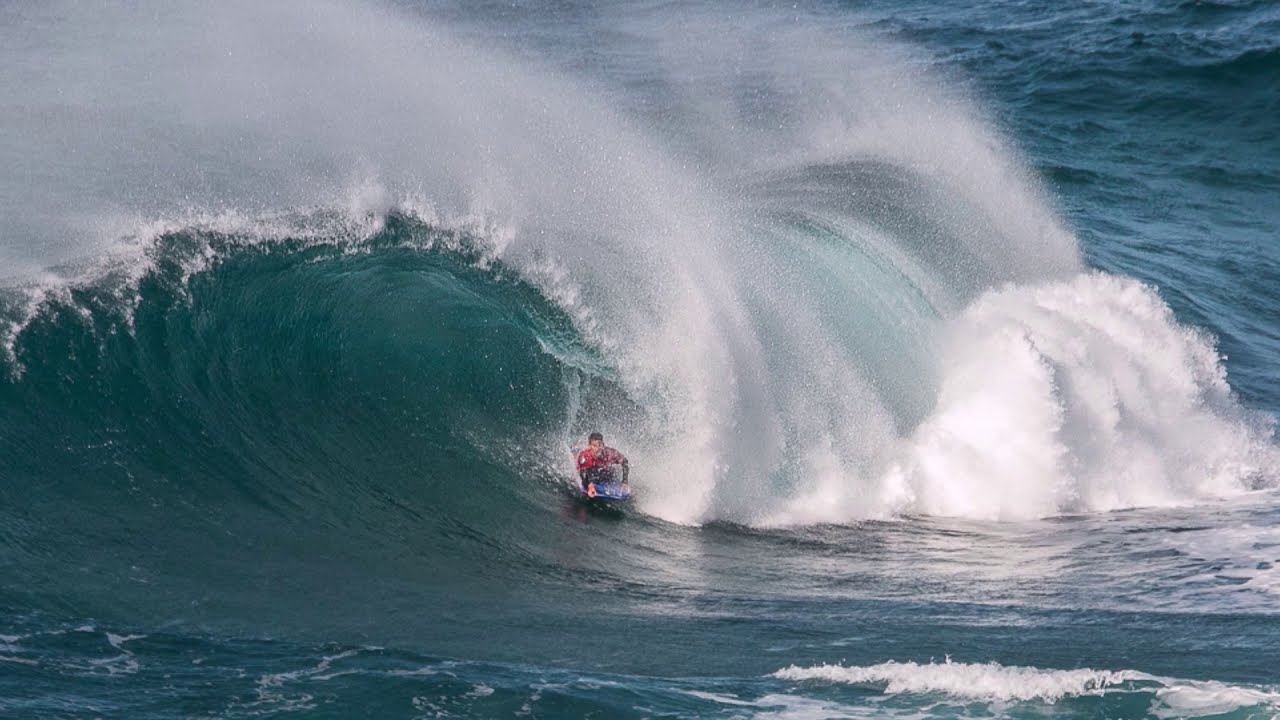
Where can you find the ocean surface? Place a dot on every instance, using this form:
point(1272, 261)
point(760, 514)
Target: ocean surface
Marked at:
point(943, 343)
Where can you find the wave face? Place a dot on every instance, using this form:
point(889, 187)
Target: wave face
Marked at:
point(229, 403)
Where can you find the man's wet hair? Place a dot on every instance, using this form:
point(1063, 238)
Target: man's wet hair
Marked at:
point(595, 436)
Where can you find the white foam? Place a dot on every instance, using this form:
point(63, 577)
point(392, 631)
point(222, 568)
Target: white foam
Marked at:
point(992, 682)
point(1206, 699)
point(18, 660)
point(989, 681)
point(117, 641)
point(1246, 554)
point(276, 691)
point(1078, 395)
point(1081, 395)
point(781, 706)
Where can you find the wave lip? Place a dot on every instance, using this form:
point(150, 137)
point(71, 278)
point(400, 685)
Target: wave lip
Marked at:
point(993, 682)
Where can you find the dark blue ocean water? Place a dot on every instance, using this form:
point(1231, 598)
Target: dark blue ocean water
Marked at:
point(941, 341)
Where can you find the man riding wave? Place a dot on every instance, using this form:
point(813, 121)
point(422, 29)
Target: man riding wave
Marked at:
point(595, 464)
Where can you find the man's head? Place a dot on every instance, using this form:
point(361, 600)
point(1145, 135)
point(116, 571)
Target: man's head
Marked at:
point(596, 441)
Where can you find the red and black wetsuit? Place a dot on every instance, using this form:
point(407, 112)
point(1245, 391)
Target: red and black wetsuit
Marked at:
point(592, 469)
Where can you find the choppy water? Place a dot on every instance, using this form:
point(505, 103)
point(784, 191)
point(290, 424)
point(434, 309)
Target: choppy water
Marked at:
point(941, 342)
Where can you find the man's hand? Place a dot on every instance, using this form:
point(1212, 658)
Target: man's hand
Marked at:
point(591, 489)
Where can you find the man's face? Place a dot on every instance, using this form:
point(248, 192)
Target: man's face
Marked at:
point(597, 446)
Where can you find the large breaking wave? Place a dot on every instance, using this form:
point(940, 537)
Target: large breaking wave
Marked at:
point(827, 294)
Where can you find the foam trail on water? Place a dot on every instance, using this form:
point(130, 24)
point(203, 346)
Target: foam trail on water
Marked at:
point(1247, 554)
point(990, 681)
point(993, 682)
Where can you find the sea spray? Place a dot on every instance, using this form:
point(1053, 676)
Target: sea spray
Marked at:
point(773, 276)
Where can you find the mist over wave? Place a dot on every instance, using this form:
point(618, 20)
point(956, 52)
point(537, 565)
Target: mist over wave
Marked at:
point(820, 288)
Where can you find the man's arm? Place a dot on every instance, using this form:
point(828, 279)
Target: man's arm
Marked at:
point(583, 466)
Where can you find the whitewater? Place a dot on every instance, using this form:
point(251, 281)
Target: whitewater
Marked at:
point(941, 396)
